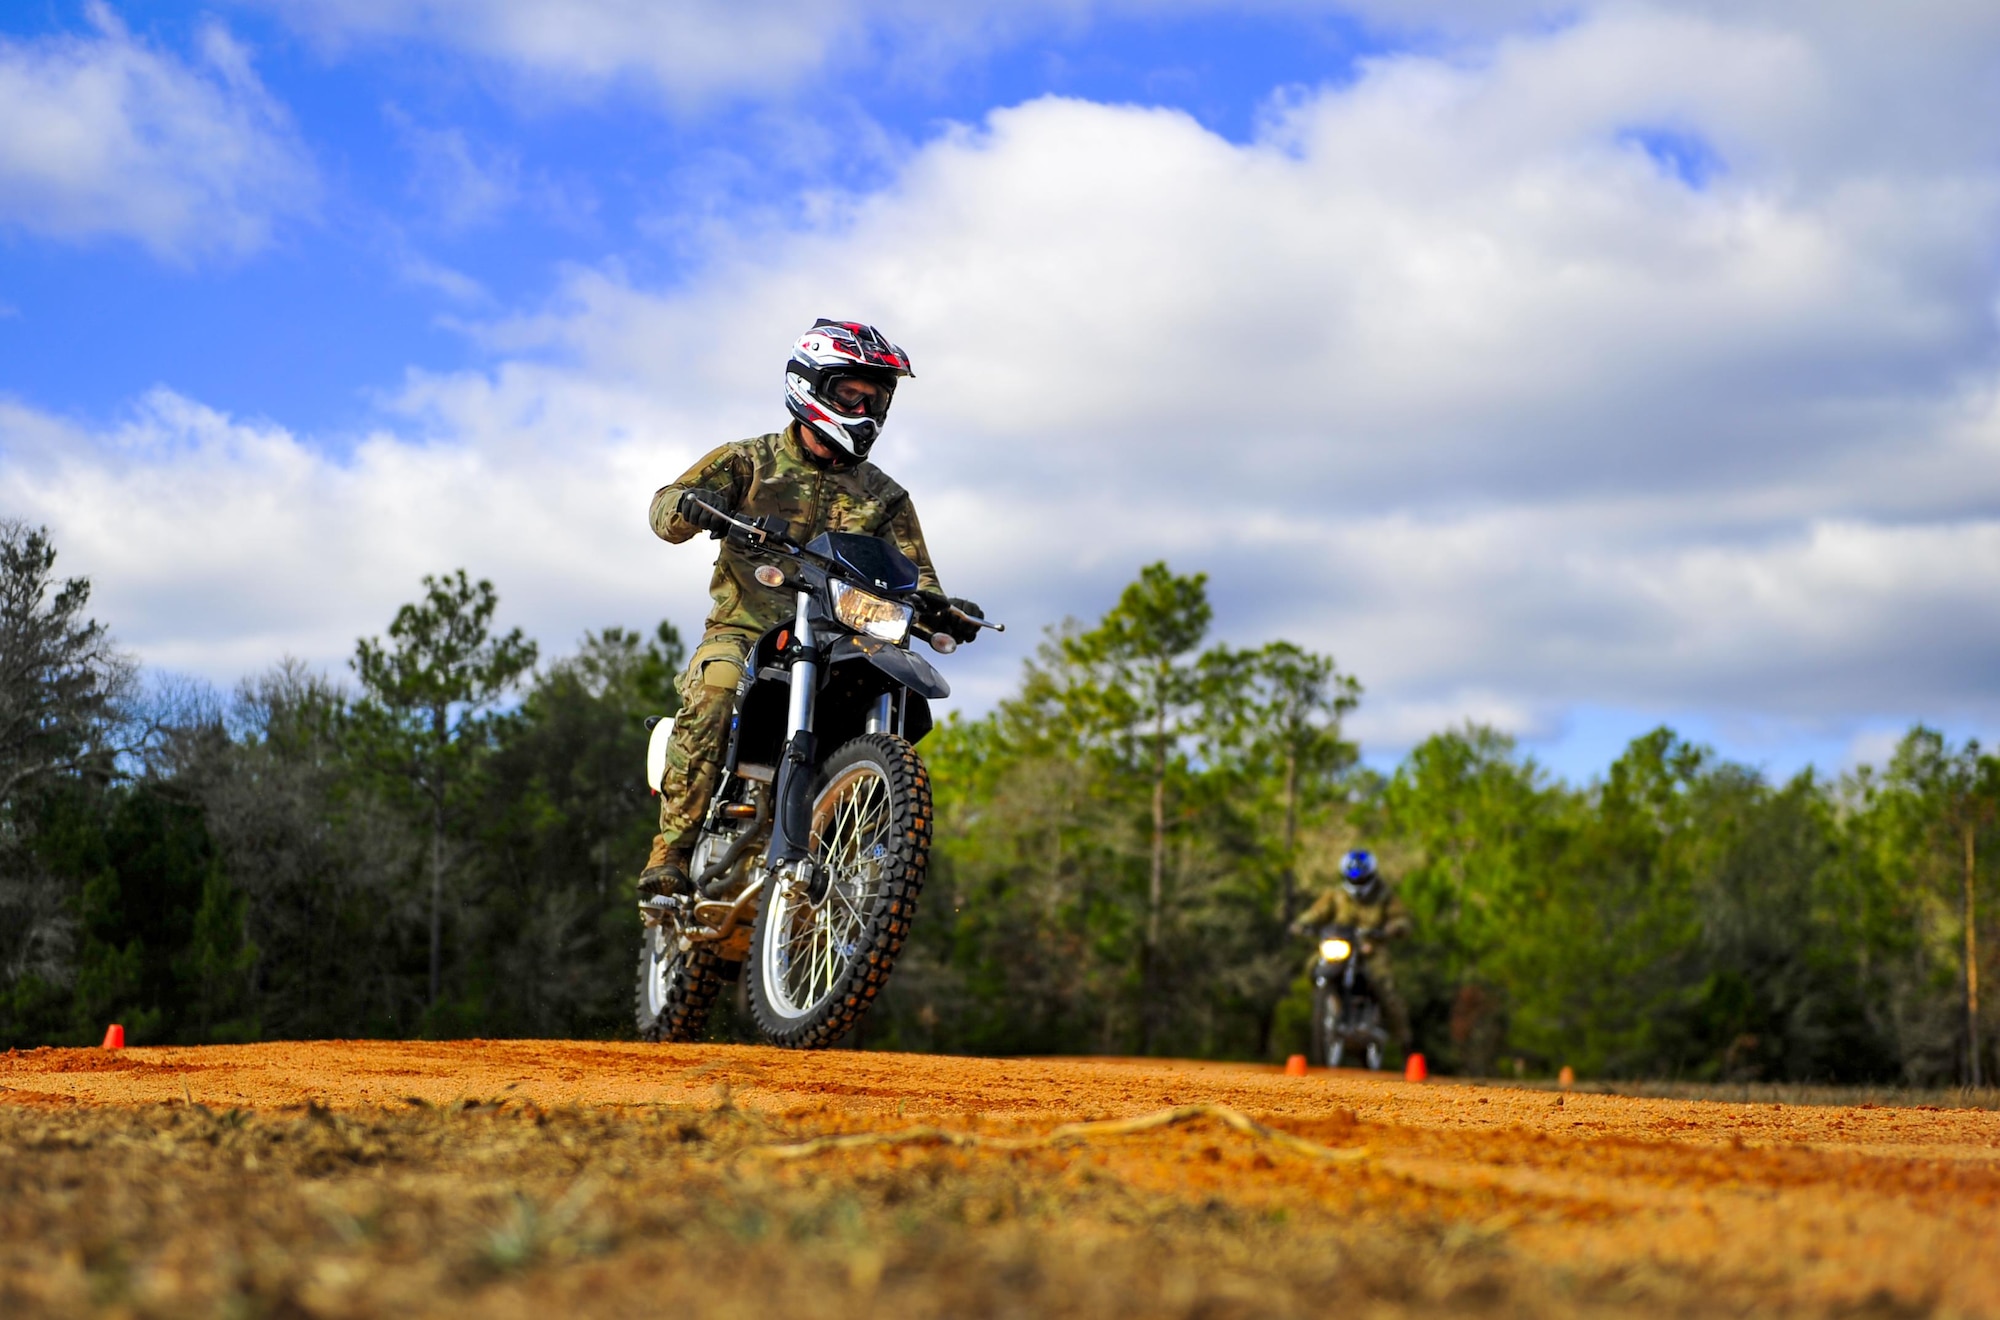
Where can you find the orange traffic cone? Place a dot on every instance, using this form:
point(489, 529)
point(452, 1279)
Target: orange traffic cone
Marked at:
point(1415, 1069)
point(1566, 1078)
point(114, 1038)
point(1295, 1066)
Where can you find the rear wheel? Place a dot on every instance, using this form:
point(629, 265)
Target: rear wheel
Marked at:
point(822, 951)
point(676, 989)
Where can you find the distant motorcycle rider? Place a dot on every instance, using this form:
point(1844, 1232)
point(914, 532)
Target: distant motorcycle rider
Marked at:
point(811, 477)
point(1363, 900)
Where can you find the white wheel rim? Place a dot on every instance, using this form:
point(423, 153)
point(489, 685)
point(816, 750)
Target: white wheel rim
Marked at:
point(808, 949)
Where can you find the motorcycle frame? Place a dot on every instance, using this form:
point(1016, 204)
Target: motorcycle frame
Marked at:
point(1351, 974)
point(816, 647)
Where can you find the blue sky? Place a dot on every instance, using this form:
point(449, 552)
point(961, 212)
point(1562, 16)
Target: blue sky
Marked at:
point(312, 328)
point(1596, 365)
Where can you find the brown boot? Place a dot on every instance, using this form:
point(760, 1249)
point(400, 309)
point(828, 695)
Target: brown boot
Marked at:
point(666, 869)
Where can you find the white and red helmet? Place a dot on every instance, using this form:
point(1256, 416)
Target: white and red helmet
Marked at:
point(825, 355)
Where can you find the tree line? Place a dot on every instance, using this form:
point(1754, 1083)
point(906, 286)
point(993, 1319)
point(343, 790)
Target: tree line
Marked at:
point(442, 841)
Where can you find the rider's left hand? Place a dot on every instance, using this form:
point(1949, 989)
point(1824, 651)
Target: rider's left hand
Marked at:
point(961, 631)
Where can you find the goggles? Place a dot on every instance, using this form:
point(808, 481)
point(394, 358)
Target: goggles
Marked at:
point(858, 396)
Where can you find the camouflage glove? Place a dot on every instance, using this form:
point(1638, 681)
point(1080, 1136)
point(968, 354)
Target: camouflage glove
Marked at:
point(961, 631)
point(703, 508)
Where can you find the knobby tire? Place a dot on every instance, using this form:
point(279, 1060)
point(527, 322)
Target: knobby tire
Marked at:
point(906, 838)
point(693, 979)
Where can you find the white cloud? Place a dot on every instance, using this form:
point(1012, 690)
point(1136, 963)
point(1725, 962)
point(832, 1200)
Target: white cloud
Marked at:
point(461, 184)
point(425, 273)
point(698, 50)
point(216, 546)
point(106, 135)
point(690, 48)
point(1446, 373)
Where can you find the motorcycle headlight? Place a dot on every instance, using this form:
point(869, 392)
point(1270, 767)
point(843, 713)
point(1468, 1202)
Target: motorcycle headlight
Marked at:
point(1335, 950)
point(870, 615)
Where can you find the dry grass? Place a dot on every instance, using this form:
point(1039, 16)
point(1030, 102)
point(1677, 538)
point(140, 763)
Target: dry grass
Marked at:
point(177, 1210)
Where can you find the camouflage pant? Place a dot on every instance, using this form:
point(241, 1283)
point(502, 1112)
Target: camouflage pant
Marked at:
point(701, 732)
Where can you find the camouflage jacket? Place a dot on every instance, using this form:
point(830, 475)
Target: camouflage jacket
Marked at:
point(772, 475)
point(1337, 907)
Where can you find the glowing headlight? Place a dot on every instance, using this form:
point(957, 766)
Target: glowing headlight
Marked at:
point(870, 615)
point(1335, 950)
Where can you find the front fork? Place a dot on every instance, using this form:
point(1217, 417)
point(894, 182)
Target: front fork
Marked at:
point(791, 827)
point(791, 816)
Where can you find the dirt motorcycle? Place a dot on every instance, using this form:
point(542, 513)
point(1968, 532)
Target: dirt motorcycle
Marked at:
point(814, 846)
point(1346, 1013)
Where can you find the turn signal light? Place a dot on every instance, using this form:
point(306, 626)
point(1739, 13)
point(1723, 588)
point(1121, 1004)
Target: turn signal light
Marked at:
point(770, 575)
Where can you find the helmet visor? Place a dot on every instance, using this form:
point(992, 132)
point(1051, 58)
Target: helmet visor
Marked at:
point(855, 395)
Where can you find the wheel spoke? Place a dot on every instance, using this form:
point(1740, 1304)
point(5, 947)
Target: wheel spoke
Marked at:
point(812, 947)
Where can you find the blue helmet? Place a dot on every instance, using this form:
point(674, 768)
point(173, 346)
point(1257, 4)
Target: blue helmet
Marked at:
point(1358, 870)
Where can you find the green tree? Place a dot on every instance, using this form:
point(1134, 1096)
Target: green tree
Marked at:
point(565, 819)
point(319, 845)
point(1476, 838)
point(63, 683)
point(1270, 749)
point(1913, 834)
point(1971, 786)
point(65, 690)
point(1273, 715)
point(427, 693)
point(1137, 692)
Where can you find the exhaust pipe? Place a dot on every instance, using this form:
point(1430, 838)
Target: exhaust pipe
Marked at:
point(725, 917)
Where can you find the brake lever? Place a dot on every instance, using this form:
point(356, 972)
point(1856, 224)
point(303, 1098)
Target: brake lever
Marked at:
point(751, 532)
point(974, 619)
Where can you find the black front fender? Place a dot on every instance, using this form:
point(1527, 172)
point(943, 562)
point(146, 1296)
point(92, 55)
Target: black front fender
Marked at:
point(910, 671)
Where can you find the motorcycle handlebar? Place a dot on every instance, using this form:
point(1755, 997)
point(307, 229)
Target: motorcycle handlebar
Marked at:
point(748, 531)
point(757, 535)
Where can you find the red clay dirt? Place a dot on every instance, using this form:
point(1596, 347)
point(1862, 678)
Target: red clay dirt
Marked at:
point(1818, 1209)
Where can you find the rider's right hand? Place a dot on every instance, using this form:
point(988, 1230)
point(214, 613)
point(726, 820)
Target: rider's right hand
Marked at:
point(705, 509)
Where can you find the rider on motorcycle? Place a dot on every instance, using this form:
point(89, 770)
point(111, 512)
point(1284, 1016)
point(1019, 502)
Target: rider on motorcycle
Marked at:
point(809, 478)
point(1363, 900)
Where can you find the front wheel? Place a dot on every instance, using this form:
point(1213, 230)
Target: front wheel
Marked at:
point(1326, 1042)
point(823, 950)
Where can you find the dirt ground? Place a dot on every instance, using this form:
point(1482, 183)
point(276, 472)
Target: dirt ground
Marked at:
point(555, 1178)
